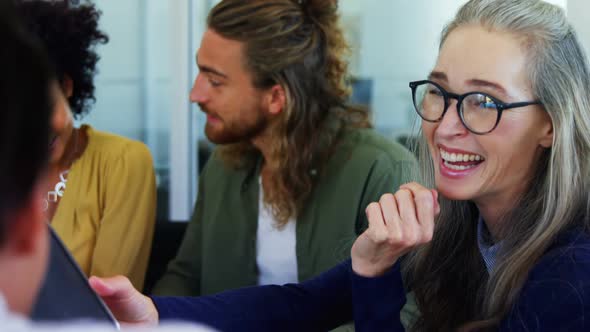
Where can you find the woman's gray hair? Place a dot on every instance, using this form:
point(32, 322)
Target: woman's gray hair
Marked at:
point(558, 197)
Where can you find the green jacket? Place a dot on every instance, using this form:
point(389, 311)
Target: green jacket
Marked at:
point(219, 248)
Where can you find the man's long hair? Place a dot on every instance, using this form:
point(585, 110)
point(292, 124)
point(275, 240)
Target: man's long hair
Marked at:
point(299, 45)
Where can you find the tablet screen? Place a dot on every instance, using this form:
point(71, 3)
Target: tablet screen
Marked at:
point(65, 293)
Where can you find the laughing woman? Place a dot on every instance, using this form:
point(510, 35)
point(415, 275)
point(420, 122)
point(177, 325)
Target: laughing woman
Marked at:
point(502, 243)
point(506, 142)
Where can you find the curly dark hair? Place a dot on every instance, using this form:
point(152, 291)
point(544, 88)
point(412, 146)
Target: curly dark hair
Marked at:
point(69, 33)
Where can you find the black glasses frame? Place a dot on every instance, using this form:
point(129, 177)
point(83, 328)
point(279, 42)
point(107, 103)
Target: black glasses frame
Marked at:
point(500, 105)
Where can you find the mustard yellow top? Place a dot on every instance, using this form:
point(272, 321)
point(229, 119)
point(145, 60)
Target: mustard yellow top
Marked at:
point(107, 214)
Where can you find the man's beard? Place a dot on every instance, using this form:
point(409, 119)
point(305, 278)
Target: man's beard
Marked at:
point(236, 132)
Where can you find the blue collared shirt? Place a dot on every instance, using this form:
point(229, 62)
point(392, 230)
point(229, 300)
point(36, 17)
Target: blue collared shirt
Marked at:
point(487, 248)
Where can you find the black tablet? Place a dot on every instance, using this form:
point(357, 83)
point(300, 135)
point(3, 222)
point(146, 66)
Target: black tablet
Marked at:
point(65, 293)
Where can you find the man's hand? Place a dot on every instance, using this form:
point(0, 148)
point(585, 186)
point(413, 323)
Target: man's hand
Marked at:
point(130, 307)
point(397, 223)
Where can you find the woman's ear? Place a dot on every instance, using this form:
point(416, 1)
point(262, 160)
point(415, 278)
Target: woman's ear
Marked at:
point(546, 139)
point(67, 86)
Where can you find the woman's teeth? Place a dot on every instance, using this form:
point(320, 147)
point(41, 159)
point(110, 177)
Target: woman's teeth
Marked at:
point(450, 158)
point(458, 157)
point(458, 167)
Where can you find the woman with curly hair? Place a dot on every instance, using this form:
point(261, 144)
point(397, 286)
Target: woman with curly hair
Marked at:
point(101, 194)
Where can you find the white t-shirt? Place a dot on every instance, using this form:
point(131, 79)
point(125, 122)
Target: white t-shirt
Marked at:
point(275, 248)
point(11, 322)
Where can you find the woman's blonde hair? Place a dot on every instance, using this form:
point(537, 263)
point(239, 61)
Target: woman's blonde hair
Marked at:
point(452, 286)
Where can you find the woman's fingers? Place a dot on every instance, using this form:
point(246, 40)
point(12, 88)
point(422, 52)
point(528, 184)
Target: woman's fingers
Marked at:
point(377, 230)
point(397, 223)
point(391, 216)
point(426, 208)
point(436, 203)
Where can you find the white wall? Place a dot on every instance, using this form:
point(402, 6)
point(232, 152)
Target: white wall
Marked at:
point(398, 44)
point(578, 11)
point(562, 3)
point(118, 107)
point(133, 83)
point(142, 88)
